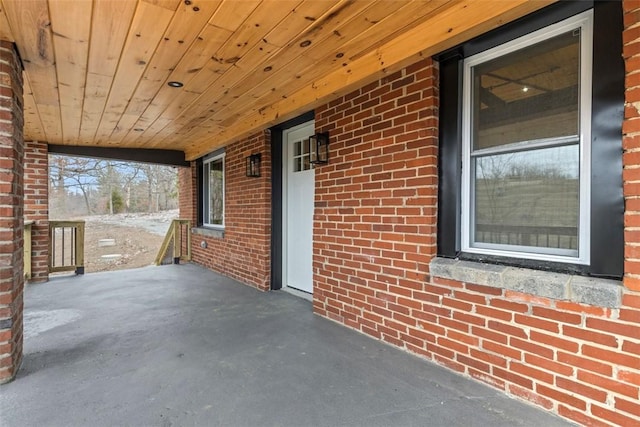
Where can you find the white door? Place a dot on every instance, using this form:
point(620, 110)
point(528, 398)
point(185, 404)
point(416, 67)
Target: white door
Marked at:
point(299, 189)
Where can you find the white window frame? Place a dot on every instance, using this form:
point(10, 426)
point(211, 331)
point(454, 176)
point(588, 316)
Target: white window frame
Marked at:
point(584, 21)
point(206, 191)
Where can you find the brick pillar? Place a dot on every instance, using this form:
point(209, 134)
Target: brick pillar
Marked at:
point(36, 206)
point(11, 211)
point(631, 143)
point(187, 188)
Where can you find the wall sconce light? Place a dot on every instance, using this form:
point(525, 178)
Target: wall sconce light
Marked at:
point(319, 148)
point(253, 165)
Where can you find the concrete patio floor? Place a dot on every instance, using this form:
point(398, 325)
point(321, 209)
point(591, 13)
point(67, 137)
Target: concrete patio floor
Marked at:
point(179, 346)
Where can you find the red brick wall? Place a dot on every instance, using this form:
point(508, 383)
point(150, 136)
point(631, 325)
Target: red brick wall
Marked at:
point(187, 193)
point(11, 211)
point(244, 251)
point(580, 361)
point(36, 206)
point(375, 219)
point(374, 235)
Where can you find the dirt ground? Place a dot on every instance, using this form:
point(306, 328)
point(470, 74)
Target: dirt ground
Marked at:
point(137, 240)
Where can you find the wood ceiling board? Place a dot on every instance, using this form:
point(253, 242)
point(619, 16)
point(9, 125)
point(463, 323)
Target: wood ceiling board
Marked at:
point(35, 44)
point(370, 24)
point(96, 93)
point(167, 4)
point(232, 14)
point(124, 126)
point(342, 14)
point(71, 26)
point(406, 17)
point(211, 39)
point(255, 29)
point(33, 128)
point(232, 19)
point(5, 29)
point(352, 48)
point(301, 19)
point(252, 31)
point(225, 21)
point(371, 18)
point(295, 67)
point(51, 123)
point(183, 31)
point(461, 21)
point(234, 114)
point(209, 103)
point(111, 23)
point(147, 28)
point(286, 79)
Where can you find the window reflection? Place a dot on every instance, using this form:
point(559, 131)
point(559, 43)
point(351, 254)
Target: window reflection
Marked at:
point(528, 198)
point(529, 94)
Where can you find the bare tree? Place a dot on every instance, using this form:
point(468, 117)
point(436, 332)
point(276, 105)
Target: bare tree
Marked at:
point(110, 186)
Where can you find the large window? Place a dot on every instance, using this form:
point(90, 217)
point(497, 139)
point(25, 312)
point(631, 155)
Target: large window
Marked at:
point(530, 161)
point(526, 145)
point(213, 191)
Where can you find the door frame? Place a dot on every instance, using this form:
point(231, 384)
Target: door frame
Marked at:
point(277, 242)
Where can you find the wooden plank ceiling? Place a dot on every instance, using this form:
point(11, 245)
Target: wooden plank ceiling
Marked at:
point(97, 72)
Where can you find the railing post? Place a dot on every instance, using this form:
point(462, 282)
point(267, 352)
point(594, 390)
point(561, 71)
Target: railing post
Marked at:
point(177, 242)
point(188, 231)
point(27, 249)
point(80, 248)
point(174, 235)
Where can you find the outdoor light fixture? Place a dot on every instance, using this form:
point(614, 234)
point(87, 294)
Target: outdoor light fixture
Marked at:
point(319, 148)
point(253, 165)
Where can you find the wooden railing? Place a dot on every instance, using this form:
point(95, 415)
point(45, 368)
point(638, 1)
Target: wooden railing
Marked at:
point(66, 246)
point(27, 249)
point(551, 237)
point(176, 246)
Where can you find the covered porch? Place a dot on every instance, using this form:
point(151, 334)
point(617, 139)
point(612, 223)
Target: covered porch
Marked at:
point(181, 345)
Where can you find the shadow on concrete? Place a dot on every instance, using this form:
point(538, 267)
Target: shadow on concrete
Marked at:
point(180, 345)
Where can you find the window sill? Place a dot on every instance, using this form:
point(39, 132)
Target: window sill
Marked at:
point(558, 286)
point(216, 233)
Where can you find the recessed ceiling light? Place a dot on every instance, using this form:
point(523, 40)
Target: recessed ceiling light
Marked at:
point(138, 129)
point(175, 84)
point(525, 89)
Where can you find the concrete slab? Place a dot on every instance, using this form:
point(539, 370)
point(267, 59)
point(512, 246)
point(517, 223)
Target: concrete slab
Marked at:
point(180, 345)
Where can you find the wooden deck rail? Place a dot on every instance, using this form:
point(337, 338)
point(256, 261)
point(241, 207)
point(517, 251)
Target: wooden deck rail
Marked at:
point(66, 246)
point(545, 236)
point(27, 249)
point(178, 238)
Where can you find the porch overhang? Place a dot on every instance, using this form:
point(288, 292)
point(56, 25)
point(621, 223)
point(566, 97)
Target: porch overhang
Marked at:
point(96, 73)
point(143, 155)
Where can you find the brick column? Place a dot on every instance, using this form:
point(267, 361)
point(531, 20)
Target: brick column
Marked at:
point(36, 206)
point(187, 188)
point(11, 211)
